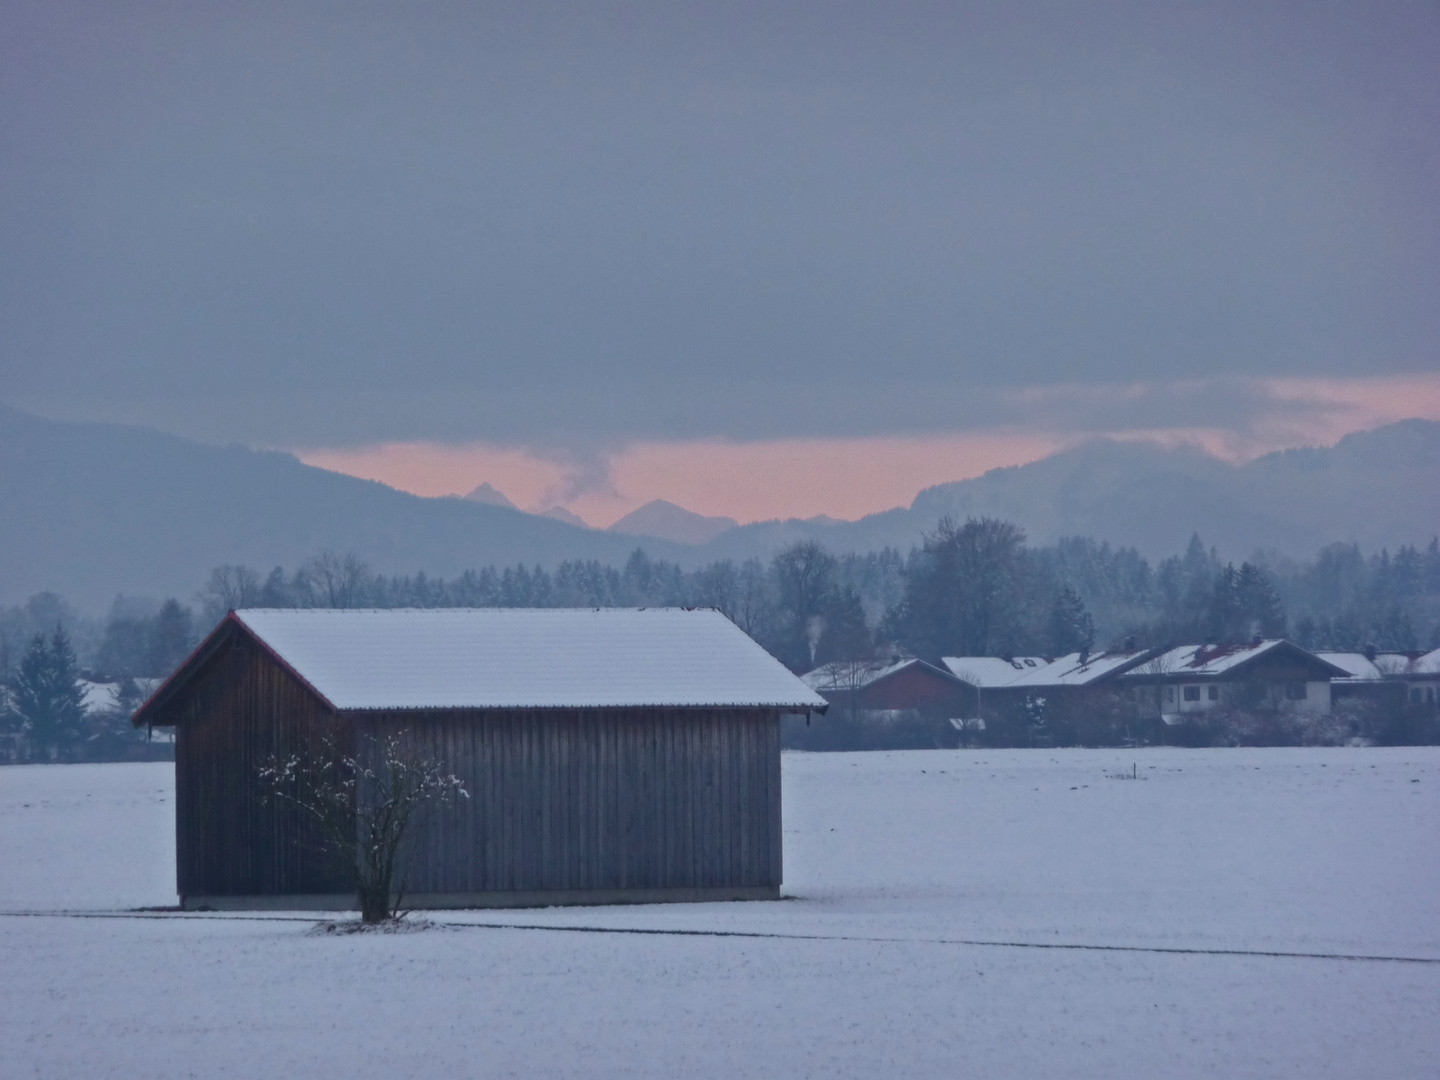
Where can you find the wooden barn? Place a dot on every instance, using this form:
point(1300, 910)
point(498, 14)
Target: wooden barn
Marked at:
point(611, 756)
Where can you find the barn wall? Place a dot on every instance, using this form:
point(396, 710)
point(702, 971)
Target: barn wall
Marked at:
point(576, 801)
point(239, 710)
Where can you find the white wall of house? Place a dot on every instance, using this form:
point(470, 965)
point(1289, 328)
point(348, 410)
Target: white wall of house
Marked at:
point(1180, 698)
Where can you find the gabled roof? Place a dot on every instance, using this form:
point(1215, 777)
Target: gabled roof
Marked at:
point(515, 658)
point(987, 672)
point(842, 677)
point(1357, 665)
point(1429, 664)
point(1071, 671)
point(1208, 661)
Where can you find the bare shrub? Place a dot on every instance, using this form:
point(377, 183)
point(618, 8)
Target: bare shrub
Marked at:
point(362, 805)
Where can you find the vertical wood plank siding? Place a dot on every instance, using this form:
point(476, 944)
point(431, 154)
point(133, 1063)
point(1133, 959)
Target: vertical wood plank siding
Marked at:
point(240, 710)
point(560, 799)
point(564, 800)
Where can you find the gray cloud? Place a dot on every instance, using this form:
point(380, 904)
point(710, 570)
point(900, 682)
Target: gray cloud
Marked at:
point(567, 226)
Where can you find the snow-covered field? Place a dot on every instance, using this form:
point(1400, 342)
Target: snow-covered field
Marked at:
point(899, 865)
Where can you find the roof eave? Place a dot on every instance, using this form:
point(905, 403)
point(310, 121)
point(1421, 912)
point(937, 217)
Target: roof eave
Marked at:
point(202, 653)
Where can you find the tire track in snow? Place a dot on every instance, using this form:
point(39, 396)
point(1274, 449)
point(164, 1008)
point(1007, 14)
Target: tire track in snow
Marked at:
point(751, 934)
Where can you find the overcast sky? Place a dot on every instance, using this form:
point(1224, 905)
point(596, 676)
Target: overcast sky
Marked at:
point(569, 227)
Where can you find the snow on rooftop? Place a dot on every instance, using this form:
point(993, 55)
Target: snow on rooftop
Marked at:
point(988, 672)
point(1360, 666)
point(1071, 671)
point(1219, 659)
point(852, 676)
point(98, 696)
point(527, 658)
point(1429, 664)
point(1208, 659)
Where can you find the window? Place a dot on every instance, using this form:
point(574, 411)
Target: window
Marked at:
point(1213, 693)
point(1415, 697)
point(1169, 693)
point(1192, 693)
point(1295, 691)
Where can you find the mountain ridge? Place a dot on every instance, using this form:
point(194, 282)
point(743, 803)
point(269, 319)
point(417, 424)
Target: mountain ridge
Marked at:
point(1369, 488)
point(94, 510)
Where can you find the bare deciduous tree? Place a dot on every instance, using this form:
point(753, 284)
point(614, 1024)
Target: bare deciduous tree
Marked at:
point(333, 580)
point(229, 587)
point(362, 805)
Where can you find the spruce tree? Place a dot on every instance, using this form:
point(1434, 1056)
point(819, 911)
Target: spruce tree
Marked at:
point(46, 693)
point(1071, 628)
point(1259, 603)
point(172, 636)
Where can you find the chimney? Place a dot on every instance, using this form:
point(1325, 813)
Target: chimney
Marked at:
point(1370, 653)
point(1256, 641)
point(1085, 656)
point(1130, 643)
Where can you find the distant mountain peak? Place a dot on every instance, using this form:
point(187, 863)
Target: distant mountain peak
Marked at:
point(490, 496)
point(667, 521)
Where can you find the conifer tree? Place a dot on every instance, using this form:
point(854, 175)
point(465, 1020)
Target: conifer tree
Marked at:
point(1258, 601)
point(1071, 628)
point(46, 694)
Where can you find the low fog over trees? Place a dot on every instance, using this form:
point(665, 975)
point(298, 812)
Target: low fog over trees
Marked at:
point(971, 588)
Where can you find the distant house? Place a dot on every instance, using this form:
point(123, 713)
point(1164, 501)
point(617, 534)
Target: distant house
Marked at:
point(1370, 676)
point(1422, 681)
point(1002, 682)
point(610, 755)
point(1276, 673)
point(1394, 677)
point(981, 674)
point(905, 685)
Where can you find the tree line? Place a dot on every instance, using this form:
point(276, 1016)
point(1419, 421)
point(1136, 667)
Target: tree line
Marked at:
point(969, 588)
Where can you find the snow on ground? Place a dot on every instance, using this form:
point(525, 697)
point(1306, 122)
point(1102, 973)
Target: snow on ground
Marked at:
point(1305, 851)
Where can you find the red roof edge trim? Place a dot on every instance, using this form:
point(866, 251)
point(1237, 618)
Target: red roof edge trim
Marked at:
point(201, 653)
point(174, 678)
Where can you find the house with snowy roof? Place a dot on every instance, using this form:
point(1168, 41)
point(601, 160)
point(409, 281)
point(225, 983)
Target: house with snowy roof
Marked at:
point(1191, 679)
point(890, 686)
point(1422, 680)
point(1370, 676)
point(999, 681)
point(622, 755)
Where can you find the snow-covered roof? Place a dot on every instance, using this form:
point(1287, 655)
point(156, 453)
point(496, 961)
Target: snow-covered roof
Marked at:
point(846, 675)
point(1069, 671)
point(988, 672)
point(1391, 665)
point(1360, 666)
point(1429, 664)
point(1208, 660)
point(526, 658)
point(103, 696)
point(98, 696)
